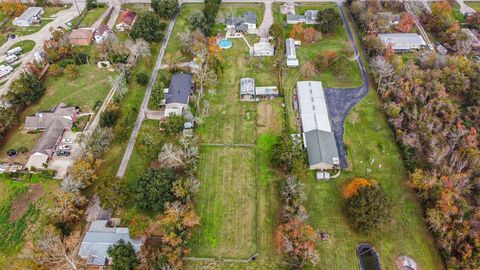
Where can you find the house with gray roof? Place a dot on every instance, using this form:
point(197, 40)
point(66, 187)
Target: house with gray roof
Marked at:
point(53, 123)
point(310, 17)
point(178, 94)
point(317, 134)
point(30, 16)
point(403, 42)
point(99, 237)
point(247, 23)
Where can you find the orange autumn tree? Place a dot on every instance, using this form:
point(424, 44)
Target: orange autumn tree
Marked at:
point(351, 189)
point(310, 35)
point(297, 32)
point(406, 23)
point(13, 8)
point(214, 51)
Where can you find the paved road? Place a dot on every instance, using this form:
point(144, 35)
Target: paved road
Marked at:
point(267, 21)
point(341, 100)
point(144, 108)
point(43, 34)
point(99, 21)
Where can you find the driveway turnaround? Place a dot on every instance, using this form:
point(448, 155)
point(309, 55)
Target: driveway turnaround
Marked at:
point(341, 100)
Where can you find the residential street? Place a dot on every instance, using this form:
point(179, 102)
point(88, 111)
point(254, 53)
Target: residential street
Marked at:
point(63, 17)
point(144, 108)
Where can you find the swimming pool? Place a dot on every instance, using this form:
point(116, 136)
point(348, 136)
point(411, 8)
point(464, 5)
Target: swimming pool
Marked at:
point(225, 43)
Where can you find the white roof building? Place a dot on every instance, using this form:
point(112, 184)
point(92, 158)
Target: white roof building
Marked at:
point(30, 16)
point(403, 41)
point(316, 129)
point(291, 53)
point(263, 49)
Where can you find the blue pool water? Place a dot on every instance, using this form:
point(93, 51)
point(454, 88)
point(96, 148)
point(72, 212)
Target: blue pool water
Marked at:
point(225, 43)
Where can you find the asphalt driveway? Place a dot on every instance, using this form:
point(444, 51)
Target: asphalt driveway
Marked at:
point(341, 100)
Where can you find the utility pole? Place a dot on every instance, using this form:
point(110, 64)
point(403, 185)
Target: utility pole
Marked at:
point(75, 1)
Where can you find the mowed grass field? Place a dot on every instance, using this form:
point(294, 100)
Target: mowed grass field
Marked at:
point(371, 148)
point(226, 203)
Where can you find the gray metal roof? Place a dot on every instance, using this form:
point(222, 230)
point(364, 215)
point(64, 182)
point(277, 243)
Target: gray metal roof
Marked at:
point(247, 86)
point(321, 147)
point(293, 17)
point(291, 52)
point(240, 21)
point(179, 89)
point(311, 15)
point(250, 17)
point(402, 41)
point(97, 241)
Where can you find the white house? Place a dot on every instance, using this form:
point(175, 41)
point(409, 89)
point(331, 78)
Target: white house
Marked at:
point(310, 17)
point(178, 95)
point(291, 53)
point(30, 16)
point(403, 42)
point(262, 49)
point(242, 24)
point(101, 33)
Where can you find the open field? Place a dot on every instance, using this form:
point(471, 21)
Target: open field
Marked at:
point(473, 4)
point(91, 86)
point(226, 202)
point(23, 208)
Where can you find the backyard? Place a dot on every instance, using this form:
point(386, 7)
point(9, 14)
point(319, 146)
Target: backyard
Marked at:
point(22, 213)
point(91, 86)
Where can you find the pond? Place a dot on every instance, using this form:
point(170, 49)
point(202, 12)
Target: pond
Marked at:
point(368, 257)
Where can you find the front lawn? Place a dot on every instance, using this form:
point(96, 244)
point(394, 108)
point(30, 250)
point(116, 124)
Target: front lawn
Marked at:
point(26, 45)
point(473, 4)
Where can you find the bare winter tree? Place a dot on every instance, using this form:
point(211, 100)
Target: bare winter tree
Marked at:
point(171, 155)
point(99, 141)
point(56, 252)
point(203, 77)
point(186, 40)
point(70, 184)
point(119, 84)
point(384, 71)
point(138, 48)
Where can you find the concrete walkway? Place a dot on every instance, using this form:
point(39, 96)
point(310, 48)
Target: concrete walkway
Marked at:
point(464, 9)
point(144, 108)
point(267, 20)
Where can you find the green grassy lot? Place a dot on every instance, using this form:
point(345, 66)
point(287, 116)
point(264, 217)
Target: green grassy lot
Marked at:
point(18, 234)
point(26, 45)
point(334, 42)
point(229, 120)
point(131, 100)
point(368, 137)
point(226, 203)
point(91, 16)
point(90, 86)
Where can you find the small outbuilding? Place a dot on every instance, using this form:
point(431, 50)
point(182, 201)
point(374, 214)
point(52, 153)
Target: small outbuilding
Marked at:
point(81, 37)
point(248, 91)
point(178, 94)
point(30, 16)
point(101, 33)
point(262, 49)
point(291, 53)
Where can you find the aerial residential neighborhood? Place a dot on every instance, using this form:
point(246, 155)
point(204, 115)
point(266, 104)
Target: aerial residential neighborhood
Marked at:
point(168, 134)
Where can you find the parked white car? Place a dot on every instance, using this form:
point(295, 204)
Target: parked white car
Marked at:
point(67, 140)
point(65, 147)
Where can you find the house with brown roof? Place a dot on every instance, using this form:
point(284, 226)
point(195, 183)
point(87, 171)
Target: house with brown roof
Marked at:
point(81, 37)
point(53, 123)
point(126, 20)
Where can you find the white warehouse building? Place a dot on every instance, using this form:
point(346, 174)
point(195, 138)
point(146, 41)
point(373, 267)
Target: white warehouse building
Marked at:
point(317, 134)
point(403, 42)
point(291, 52)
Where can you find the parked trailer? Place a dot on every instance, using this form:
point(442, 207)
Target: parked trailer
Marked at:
point(11, 59)
point(5, 70)
point(14, 51)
